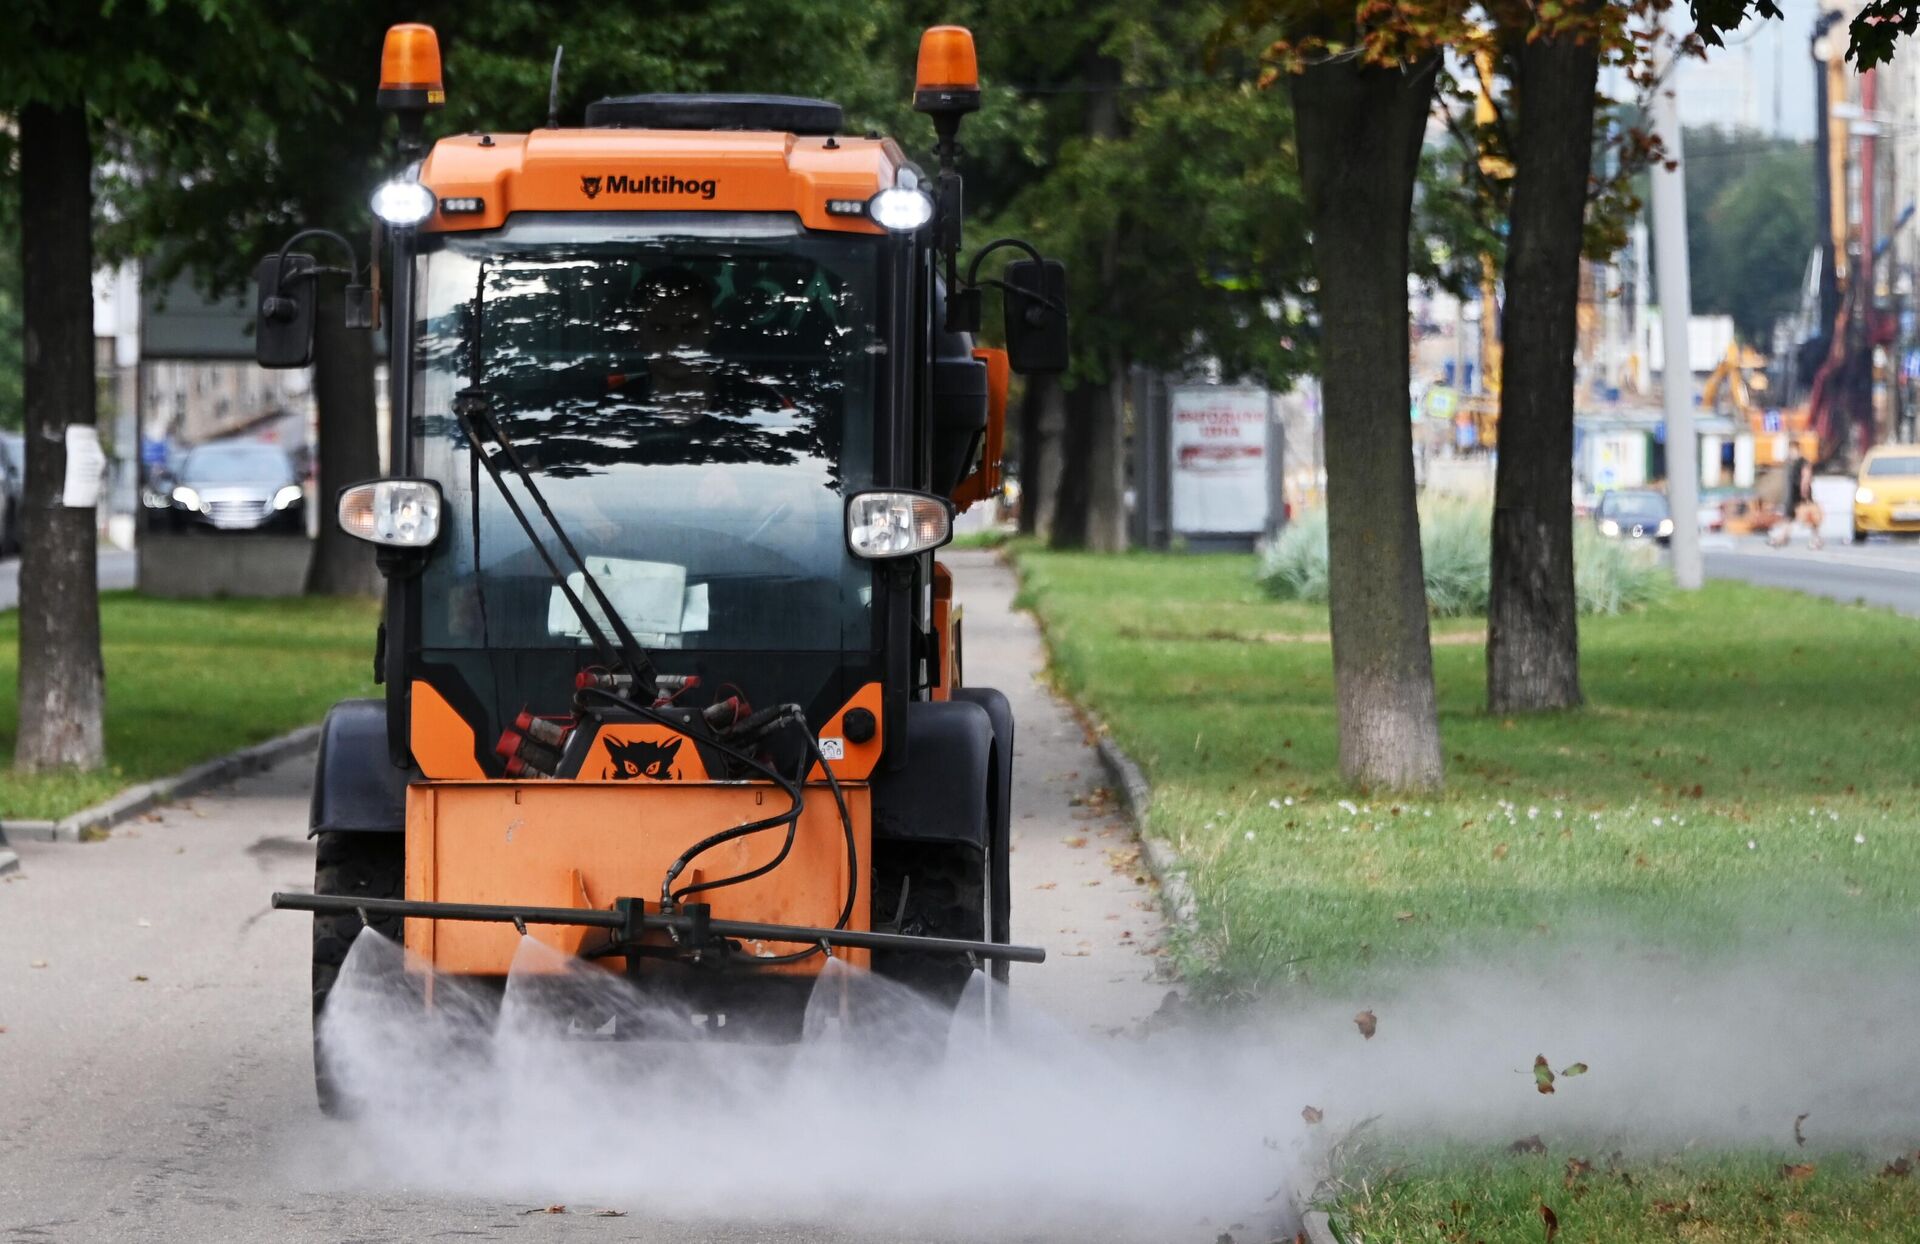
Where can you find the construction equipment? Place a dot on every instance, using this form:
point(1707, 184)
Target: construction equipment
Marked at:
point(1778, 435)
point(683, 403)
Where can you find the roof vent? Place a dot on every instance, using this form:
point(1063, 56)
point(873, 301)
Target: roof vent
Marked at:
point(787, 114)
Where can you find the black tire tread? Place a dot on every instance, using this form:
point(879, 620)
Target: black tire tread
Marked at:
point(360, 865)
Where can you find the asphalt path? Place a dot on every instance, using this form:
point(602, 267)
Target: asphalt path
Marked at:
point(116, 571)
point(155, 1081)
point(1883, 572)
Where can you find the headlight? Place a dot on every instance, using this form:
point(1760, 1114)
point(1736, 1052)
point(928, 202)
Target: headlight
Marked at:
point(186, 497)
point(1863, 496)
point(896, 524)
point(900, 209)
point(286, 496)
point(1666, 527)
point(402, 202)
point(404, 513)
point(1609, 528)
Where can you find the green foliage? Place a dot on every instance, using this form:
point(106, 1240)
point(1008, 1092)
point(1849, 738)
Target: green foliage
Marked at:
point(1750, 225)
point(1455, 549)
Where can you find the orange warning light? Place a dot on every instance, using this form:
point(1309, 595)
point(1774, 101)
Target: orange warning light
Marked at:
point(410, 68)
point(947, 61)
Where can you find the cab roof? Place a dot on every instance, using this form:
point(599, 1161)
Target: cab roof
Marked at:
point(481, 179)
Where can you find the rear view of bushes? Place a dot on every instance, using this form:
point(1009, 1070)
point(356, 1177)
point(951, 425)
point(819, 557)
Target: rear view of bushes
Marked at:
point(1609, 576)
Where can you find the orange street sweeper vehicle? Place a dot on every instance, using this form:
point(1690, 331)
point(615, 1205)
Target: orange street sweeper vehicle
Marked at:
point(684, 402)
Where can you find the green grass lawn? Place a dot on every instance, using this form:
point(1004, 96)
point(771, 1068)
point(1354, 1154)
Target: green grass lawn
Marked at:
point(1746, 774)
point(191, 680)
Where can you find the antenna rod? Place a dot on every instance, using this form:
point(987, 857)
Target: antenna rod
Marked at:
point(553, 90)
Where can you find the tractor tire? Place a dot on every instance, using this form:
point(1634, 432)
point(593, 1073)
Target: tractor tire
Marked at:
point(364, 865)
point(946, 896)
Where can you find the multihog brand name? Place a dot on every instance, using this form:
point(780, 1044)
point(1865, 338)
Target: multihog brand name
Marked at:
point(621, 183)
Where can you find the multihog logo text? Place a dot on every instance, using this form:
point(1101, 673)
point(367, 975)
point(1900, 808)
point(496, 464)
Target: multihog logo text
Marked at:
point(621, 183)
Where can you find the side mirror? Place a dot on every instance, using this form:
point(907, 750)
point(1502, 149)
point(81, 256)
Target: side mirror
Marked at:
point(1036, 317)
point(284, 311)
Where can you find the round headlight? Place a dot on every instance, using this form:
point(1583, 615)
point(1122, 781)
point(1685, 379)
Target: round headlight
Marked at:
point(404, 203)
point(1609, 528)
point(287, 496)
point(186, 497)
point(900, 209)
point(1864, 496)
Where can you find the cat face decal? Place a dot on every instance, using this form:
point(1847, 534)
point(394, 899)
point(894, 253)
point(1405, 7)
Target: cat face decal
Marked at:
point(641, 758)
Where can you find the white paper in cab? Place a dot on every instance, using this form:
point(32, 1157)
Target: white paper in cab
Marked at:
point(650, 597)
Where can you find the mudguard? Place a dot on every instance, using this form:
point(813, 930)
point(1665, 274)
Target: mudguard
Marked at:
point(942, 793)
point(356, 787)
point(999, 804)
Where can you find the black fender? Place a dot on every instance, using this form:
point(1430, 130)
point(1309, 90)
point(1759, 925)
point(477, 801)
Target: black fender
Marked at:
point(941, 793)
point(356, 787)
point(999, 809)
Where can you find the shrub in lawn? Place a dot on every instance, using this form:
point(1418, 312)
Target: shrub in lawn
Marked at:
point(1455, 546)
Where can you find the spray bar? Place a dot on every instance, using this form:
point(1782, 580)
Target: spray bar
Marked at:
point(689, 925)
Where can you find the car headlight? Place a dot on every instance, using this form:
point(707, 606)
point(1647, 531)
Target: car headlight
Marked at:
point(1609, 528)
point(900, 209)
point(897, 524)
point(403, 202)
point(186, 498)
point(402, 513)
point(1666, 527)
point(287, 496)
point(1863, 496)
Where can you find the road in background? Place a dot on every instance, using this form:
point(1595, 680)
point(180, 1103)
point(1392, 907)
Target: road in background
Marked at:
point(116, 571)
point(1881, 572)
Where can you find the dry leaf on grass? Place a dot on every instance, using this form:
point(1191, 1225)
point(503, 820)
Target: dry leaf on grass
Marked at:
point(1899, 1168)
point(1542, 1074)
point(1500, 852)
point(1312, 1114)
point(1366, 1023)
point(1528, 1144)
point(1573, 1069)
point(1797, 1172)
point(1552, 1221)
point(1577, 1170)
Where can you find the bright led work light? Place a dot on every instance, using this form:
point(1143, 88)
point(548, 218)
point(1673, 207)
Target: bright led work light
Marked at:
point(402, 202)
point(900, 209)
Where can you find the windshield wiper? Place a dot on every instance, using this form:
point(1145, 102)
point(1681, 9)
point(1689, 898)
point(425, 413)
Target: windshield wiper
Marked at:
point(473, 408)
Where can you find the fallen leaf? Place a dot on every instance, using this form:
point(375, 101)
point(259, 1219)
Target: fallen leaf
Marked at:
point(1046, 885)
point(1899, 1168)
point(1577, 1069)
point(1799, 1137)
point(1312, 1114)
point(140, 978)
point(1403, 916)
point(38, 963)
point(1542, 1074)
point(1500, 852)
point(1528, 1144)
point(1552, 1220)
point(1797, 1172)
point(1076, 841)
point(609, 1213)
point(1366, 1023)
point(1577, 1169)
point(550, 1209)
point(1673, 1207)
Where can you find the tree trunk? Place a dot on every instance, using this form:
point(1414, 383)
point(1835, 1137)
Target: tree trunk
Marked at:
point(349, 444)
point(1053, 442)
point(1533, 642)
point(1071, 507)
point(1107, 463)
point(1359, 131)
point(1032, 452)
point(62, 682)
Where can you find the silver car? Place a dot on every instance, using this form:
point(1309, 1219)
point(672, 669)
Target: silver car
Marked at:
point(238, 486)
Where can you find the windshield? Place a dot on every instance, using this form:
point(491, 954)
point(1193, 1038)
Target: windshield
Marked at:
point(236, 464)
point(1636, 506)
point(1895, 464)
point(693, 396)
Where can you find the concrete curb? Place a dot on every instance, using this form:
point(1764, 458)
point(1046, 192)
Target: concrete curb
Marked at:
point(96, 822)
point(1163, 861)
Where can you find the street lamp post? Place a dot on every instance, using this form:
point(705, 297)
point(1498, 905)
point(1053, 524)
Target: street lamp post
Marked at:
point(1676, 305)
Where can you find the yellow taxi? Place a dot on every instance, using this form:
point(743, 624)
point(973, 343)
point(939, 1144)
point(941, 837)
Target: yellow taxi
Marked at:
point(1887, 498)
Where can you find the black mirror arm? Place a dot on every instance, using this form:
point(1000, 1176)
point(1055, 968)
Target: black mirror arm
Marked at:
point(1031, 295)
point(973, 266)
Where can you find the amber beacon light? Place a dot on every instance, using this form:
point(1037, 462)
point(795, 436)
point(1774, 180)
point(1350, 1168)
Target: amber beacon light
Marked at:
point(947, 79)
point(410, 70)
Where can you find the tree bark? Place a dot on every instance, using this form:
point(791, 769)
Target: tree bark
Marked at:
point(1533, 642)
point(1107, 464)
point(1359, 131)
point(349, 444)
point(1032, 453)
point(62, 681)
point(1071, 506)
point(1053, 439)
